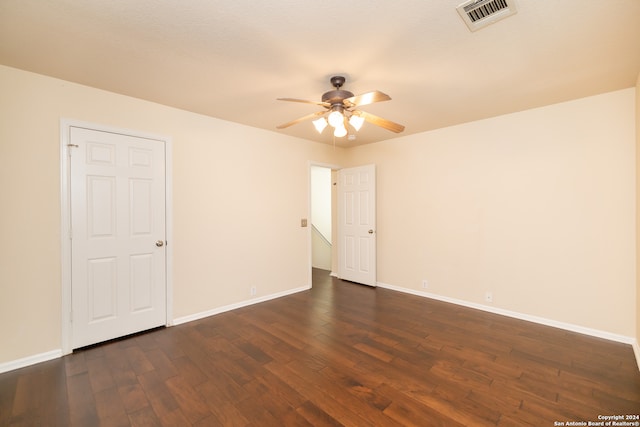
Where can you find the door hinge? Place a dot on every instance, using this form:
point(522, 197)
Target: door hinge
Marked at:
point(70, 146)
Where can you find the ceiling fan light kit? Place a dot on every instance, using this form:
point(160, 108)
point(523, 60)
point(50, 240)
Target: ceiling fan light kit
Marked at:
point(340, 110)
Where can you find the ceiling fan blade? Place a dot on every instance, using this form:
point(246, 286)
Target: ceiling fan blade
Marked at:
point(366, 99)
point(379, 121)
point(301, 119)
point(304, 101)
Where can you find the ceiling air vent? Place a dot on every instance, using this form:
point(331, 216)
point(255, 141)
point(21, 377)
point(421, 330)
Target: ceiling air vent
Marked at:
point(480, 13)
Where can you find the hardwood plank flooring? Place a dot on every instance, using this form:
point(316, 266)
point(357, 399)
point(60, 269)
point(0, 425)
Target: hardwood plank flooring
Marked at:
point(339, 354)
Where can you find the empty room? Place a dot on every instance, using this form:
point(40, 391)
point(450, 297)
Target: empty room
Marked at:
point(363, 213)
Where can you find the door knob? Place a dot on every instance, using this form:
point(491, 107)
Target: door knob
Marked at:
point(159, 243)
point(370, 231)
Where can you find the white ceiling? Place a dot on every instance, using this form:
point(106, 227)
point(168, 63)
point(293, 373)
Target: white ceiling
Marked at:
point(231, 59)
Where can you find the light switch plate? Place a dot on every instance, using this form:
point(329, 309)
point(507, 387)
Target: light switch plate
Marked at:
point(303, 222)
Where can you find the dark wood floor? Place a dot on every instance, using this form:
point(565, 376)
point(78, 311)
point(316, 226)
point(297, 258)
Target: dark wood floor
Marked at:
point(339, 354)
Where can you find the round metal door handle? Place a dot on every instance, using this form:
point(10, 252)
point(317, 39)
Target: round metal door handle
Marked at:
point(159, 243)
point(370, 231)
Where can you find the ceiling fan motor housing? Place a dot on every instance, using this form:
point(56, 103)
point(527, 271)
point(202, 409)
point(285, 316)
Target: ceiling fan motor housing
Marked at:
point(336, 96)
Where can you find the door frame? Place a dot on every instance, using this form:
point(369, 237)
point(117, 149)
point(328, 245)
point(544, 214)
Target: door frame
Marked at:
point(65, 226)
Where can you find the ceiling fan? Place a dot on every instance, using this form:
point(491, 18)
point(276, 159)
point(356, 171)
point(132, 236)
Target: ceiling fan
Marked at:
point(340, 109)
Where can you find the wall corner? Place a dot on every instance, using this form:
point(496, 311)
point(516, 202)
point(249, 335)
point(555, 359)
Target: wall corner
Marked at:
point(637, 116)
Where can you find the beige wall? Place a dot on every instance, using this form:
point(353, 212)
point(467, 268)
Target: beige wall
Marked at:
point(537, 207)
point(239, 195)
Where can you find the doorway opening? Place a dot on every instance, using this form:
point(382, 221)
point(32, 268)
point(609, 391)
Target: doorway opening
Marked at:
point(321, 217)
point(350, 252)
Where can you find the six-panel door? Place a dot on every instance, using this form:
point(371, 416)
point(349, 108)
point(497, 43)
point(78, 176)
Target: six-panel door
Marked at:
point(118, 234)
point(357, 224)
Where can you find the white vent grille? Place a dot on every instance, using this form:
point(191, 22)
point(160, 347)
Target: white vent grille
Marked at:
point(480, 13)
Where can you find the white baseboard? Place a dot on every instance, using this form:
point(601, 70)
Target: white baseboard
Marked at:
point(30, 360)
point(54, 354)
point(636, 351)
point(246, 303)
point(535, 319)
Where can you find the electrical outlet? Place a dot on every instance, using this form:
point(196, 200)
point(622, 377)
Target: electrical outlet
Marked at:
point(488, 297)
point(425, 284)
point(253, 291)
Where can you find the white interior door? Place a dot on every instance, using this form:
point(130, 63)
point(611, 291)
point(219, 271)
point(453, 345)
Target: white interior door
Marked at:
point(357, 224)
point(118, 259)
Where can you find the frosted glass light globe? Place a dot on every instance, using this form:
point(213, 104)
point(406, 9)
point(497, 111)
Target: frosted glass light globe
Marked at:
point(340, 131)
point(336, 119)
